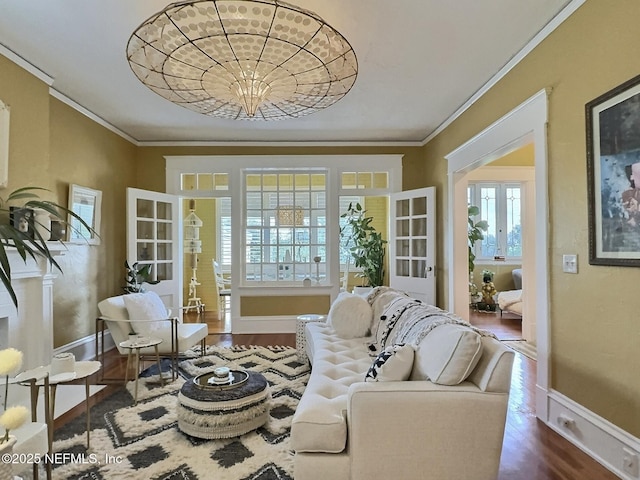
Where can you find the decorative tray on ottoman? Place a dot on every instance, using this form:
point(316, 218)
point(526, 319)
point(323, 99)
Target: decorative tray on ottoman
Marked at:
point(211, 381)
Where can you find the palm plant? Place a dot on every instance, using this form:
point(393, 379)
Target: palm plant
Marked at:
point(365, 245)
point(30, 243)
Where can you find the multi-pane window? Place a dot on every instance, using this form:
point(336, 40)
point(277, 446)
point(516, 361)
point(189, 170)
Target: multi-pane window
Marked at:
point(500, 205)
point(223, 206)
point(285, 226)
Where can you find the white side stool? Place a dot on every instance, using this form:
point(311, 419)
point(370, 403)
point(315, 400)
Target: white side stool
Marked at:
point(301, 321)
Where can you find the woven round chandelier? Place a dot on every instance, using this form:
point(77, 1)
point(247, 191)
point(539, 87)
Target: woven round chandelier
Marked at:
point(243, 59)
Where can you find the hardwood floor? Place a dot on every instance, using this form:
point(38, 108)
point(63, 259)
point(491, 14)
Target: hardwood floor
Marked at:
point(531, 451)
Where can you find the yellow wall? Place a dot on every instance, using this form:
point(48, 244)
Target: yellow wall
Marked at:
point(206, 211)
point(151, 164)
point(52, 145)
point(522, 157)
point(594, 331)
point(260, 306)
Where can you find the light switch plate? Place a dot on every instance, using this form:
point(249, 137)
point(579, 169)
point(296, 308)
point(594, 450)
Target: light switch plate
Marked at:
point(570, 263)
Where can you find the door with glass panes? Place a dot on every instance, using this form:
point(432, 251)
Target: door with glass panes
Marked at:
point(412, 243)
point(153, 221)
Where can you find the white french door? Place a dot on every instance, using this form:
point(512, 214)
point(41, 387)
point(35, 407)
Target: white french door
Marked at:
point(153, 238)
point(412, 248)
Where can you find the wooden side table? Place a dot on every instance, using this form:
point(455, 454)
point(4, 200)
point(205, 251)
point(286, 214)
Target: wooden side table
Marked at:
point(301, 321)
point(134, 347)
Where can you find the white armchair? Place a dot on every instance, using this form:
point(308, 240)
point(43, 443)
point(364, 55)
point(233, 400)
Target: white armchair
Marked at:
point(145, 314)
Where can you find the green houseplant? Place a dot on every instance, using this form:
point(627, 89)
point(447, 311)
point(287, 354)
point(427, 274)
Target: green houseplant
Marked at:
point(137, 275)
point(365, 245)
point(27, 239)
point(475, 231)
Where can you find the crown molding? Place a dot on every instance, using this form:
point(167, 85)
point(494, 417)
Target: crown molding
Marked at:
point(29, 67)
point(277, 144)
point(88, 113)
point(526, 50)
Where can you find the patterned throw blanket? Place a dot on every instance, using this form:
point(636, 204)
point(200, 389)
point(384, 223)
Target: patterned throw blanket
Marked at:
point(399, 318)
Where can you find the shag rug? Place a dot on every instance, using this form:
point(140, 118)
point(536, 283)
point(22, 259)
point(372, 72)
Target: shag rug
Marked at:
point(143, 441)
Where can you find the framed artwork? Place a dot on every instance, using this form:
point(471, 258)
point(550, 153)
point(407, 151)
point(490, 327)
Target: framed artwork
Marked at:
point(613, 173)
point(22, 219)
point(87, 204)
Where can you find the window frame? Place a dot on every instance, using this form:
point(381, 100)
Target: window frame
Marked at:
point(502, 233)
point(233, 165)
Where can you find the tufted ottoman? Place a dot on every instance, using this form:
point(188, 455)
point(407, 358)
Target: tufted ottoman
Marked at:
point(223, 411)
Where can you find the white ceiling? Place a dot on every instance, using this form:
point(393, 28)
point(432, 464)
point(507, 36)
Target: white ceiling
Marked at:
point(419, 62)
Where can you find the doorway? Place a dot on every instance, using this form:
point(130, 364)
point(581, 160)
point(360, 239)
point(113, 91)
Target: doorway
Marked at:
point(199, 274)
point(525, 124)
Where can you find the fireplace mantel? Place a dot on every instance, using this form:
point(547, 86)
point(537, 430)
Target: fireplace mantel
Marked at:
point(29, 328)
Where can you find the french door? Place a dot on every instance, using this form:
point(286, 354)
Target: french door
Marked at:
point(153, 238)
point(412, 248)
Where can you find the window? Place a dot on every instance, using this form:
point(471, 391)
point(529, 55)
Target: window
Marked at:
point(285, 226)
point(284, 211)
point(224, 233)
point(500, 205)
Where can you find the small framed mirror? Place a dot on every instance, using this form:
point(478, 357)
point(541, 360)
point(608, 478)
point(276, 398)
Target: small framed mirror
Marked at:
point(86, 203)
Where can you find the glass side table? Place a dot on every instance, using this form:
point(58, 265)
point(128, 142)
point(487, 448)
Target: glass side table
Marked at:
point(134, 346)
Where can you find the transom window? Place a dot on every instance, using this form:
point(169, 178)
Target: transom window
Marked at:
point(500, 205)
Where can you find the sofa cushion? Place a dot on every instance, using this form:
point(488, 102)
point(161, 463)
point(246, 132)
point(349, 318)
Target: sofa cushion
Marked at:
point(447, 355)
point(350, 316)
point(319, 423)
point(393, 364)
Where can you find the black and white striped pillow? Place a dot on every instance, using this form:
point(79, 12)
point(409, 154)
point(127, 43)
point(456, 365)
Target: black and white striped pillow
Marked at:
point(394, 363)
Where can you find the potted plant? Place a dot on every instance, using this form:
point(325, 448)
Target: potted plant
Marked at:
point(26, 236)
point(475, 232)
point(365, 245)
point(489, 291)
point(137, 275)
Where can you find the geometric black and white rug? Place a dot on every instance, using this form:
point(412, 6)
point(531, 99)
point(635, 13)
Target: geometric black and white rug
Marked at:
point(143, 441)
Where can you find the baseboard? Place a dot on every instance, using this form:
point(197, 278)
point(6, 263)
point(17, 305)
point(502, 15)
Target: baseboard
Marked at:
point(597, 437)
point(85, 348)
point(281, 324)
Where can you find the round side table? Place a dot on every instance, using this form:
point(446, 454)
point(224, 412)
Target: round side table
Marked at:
point(134, 347)
point(301, 321)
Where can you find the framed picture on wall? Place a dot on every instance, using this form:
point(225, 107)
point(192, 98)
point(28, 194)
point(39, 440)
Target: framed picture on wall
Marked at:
point(613, 173)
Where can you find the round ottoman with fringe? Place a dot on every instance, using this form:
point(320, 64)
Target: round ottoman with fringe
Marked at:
point(209, 410)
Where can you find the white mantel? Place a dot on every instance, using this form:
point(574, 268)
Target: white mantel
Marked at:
point(29, 328)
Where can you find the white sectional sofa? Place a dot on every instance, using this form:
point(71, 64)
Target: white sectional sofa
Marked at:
point(434, 410)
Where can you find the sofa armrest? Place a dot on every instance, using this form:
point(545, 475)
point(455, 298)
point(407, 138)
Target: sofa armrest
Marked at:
point(404, 429)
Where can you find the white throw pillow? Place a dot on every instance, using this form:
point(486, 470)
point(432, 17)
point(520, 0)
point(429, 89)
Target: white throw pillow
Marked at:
point(350, 316)
point(145, 306)
point(447, 355)
point(393, 364)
